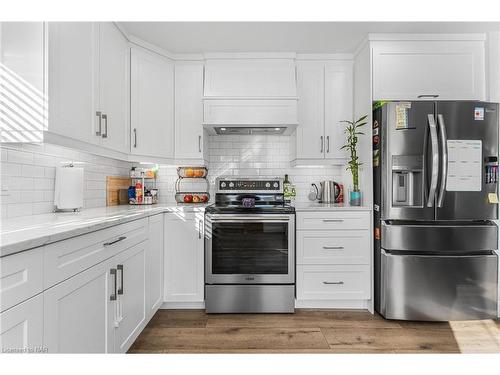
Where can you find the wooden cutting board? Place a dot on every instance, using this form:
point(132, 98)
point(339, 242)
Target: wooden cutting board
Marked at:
point(113, 185)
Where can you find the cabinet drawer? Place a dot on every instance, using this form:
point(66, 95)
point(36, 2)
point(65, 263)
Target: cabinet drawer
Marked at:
point(333, 282)
point(333, 247)
point(21, 277)
point(66, 258)
point(333, 220)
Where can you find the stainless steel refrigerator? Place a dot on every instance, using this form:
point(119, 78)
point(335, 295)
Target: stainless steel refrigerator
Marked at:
point(435, 194)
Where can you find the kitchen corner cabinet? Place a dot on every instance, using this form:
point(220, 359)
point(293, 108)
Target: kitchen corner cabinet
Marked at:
point(88, 68)
point(190, 136)
point(152, 104)
point(184, 259)
point(428, 70)
point(325, 91)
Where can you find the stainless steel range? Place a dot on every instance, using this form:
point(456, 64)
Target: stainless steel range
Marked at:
point(249, 248)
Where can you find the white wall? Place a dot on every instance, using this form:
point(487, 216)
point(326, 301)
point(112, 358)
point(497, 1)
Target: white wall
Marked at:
point(28, 174)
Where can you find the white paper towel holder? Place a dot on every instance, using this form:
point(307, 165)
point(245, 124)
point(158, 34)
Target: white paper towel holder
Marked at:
point(57, 196)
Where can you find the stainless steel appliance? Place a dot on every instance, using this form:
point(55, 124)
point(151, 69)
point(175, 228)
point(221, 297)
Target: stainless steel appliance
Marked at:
point(329, 192)
point(249, 248)
point(435, 195)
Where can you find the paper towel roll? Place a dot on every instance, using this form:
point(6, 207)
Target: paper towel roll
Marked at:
point(68, 193)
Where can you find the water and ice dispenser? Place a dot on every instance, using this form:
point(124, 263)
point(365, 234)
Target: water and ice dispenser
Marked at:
point(407, 181)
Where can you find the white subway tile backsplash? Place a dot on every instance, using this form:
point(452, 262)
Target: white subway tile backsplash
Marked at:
point(21, 157)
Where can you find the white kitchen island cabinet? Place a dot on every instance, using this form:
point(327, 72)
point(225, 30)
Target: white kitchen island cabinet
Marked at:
point(184, 260)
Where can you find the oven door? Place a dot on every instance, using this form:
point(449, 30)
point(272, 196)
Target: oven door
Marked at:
point(249, 249)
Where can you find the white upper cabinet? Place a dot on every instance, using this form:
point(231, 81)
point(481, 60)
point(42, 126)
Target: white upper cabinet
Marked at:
point(152, 104)
point(73, 74)
point(89, 84)
point(189, 133)
point(325, 90)
point(428, 70)
point(114, 89)
point(250, 78)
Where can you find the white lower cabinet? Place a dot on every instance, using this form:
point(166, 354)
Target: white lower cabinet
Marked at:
point(21, 327)
point(333, 259)
point(154, 266)
point(184, 259)
point(79, 313)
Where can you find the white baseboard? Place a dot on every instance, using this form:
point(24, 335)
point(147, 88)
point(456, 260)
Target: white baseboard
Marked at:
point(333, 304)
point(182, 305)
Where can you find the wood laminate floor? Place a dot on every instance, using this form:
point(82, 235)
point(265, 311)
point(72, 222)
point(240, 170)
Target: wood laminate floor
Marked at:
point(311, 331)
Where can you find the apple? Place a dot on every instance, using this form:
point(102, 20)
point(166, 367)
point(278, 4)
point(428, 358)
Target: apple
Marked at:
point(188, 198)
point(204, 198)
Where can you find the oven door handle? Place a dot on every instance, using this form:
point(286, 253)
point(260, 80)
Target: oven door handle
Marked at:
point(232, 219)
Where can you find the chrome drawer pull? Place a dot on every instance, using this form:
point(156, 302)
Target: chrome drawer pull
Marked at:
point(332, 220)
point(333, 282)
point(113, 273)
point(333, 247)
point(120, 268)
point(115, 241)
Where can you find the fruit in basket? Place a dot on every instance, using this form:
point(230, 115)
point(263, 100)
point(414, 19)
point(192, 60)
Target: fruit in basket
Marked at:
point(189, 172)
point(198, 173)
point(188, 198)
point(196, 199)
point(204, 198)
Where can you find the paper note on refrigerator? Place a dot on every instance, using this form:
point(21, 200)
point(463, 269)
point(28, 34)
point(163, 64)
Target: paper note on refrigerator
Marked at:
point(464, 165)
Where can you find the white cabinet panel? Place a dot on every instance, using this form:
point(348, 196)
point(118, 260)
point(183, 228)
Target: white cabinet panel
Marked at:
point(21, 327)
point(338, 107)
point(250, 78)
point(154, 265)
point(131, 276)
point(310, 131)
point(73, 74)
point(184, 258)
point(79, 313)
point(189, 134)
point(114, 86)
point(405, 70)
point(152, 104)
point(21, 277)
point(333, 220)
point(344, 282)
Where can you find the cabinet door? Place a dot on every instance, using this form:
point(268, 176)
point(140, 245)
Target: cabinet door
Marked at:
point(152, 104)
point(73, 62)
point(154, 266)
point(311, 92)
point(114, 87)
point(188, 110)
point(131, 273)
point(338, 106)
point(405, 70)
point(184, 267)
point(21, 327)
point(79, 313)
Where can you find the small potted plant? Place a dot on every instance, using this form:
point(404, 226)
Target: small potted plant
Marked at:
point(352, 131)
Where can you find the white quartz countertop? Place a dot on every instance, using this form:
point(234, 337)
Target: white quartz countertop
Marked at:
point(316, 206)
point(23, 233)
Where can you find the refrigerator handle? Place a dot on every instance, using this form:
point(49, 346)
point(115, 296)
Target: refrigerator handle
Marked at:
point(435, 160)
point(444, 160)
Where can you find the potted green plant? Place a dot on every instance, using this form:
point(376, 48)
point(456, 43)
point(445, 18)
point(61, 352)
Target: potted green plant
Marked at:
point(353, 131)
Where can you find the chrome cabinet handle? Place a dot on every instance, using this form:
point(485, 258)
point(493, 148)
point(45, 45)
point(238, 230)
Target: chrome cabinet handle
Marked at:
point(333, 247)
point(199, 143)
point(105, 118)
point(328, 144)
point(99, 114)
point(135, 138)
point(333, 282)
point(444, 160)
point(113, 273)
point(321, 141)
point(120, 268)
point(428, 96)
point(199, 229)
point(435, 160)
point(115, 241)
point(333, 220)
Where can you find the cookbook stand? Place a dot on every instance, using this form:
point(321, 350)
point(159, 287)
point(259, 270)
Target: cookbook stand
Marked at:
point(191, 197)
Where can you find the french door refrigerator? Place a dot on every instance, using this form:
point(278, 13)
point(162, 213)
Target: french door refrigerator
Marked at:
point(435, 194)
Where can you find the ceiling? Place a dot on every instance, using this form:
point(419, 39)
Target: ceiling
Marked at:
point(300, 37)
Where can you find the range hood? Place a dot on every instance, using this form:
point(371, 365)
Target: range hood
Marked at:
point(250, 96)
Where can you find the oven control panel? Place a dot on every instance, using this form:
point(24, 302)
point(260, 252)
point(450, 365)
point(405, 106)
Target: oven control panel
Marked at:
point(241, 185)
